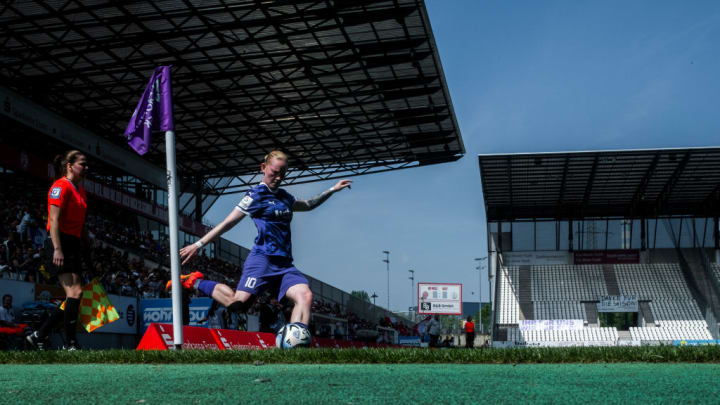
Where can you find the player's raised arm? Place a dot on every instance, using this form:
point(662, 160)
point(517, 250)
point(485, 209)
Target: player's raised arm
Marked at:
point(228, 223)
point(314, 202)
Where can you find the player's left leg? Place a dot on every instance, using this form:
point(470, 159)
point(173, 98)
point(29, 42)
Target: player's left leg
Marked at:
point(301, 295)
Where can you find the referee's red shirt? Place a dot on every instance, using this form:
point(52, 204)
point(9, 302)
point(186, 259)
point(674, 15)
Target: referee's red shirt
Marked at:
point(73, 205)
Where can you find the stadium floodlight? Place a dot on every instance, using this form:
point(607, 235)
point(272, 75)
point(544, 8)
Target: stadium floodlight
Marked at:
point(387, 262)
point(412, 287)
point(479, 266)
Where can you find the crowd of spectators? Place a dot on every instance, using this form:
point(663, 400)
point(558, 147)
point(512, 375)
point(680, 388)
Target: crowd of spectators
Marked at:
point(22, 236)
point(131, 262)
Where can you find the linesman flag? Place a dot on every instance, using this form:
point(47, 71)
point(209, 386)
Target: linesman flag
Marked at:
point(96, 309)
point(153, 112)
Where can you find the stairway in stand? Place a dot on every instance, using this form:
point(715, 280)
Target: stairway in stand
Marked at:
point(610, 279)
point(525, 294)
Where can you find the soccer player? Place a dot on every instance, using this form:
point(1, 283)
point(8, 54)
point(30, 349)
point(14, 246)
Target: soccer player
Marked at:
point(67, 206)
point(270, 263)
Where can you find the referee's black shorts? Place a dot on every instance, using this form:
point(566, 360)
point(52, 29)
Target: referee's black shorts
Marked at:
point(71, 246)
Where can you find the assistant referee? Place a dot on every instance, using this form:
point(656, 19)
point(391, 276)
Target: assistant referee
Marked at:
point(67, 206)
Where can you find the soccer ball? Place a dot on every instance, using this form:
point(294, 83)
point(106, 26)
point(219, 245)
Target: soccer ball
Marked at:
point(293, 335)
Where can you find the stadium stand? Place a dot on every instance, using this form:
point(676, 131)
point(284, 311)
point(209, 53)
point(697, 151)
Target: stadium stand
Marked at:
point(559, 292)
point(620, 247)
point(716, 271)
point(583, 335)
point(508, 306)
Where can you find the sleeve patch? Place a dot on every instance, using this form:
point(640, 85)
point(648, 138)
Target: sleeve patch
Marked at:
point(245, 203)
point(55, 193)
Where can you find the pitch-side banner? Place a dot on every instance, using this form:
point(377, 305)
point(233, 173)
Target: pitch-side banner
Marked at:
point(440, 299)
point(618, 303)
point(159, 310)
point(550, 324)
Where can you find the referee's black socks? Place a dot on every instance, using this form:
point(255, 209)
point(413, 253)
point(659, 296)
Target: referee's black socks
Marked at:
point(72, 305)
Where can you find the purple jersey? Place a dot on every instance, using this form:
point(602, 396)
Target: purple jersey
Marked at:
point(272, 212)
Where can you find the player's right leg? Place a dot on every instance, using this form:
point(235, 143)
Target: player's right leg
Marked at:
point(221, 293)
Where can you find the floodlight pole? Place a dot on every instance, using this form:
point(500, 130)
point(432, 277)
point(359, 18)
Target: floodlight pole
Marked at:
point(387, 262)
point(412, 288)
point(174, 249)
point(479, 261)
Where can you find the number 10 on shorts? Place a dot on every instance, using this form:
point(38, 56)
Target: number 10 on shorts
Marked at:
point(250, 282)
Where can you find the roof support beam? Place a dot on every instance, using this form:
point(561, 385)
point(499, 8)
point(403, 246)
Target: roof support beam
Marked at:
point(664, 196)
point(639, 195)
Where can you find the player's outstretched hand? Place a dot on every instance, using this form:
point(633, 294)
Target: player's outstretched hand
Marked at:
point(342, 184)
point(188, 252)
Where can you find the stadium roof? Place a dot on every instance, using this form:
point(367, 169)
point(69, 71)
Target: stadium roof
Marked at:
point(622, 183)
point(346, 87)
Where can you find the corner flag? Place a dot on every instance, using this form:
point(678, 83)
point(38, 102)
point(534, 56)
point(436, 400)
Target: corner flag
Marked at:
point(153, 112)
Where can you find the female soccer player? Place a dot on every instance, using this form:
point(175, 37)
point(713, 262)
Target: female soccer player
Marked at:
point(67, 205)
point(270, 263)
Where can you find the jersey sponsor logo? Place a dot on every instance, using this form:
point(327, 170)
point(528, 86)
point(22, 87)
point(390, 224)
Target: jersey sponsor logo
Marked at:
point(55, 193)
point(245, 202)
point(283, 213)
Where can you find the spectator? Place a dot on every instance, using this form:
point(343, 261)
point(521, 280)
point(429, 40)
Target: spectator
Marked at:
point(434, 331)
point(469, 333)
point(7, 316)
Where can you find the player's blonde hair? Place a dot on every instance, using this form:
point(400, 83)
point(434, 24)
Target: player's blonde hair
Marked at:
point(276, 154)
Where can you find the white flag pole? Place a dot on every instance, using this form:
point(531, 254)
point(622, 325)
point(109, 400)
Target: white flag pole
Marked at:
point(174, 249)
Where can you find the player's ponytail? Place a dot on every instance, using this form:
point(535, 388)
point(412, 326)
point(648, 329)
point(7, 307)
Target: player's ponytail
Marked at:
point(61, 161)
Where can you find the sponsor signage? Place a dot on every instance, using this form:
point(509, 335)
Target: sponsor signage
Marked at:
point(607, 257)
point(696, 342)
point(555, 344)
point(144, 208)
point(535, 258)
point(159, 310)
point(160, 337)
point(439, 298)
point(551, 324)
point(409, 341)
point(236, 340)
point(618, 303)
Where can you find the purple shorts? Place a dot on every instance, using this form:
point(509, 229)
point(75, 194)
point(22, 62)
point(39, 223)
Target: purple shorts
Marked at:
point(261, 272)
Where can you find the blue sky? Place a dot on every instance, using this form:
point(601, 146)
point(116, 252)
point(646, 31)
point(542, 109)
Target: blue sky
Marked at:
point(524, 77)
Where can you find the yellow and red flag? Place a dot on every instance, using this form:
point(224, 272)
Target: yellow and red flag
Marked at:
point(96, 309)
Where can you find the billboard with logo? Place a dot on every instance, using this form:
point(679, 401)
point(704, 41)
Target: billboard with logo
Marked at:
point(439, 298)
point(159, 310)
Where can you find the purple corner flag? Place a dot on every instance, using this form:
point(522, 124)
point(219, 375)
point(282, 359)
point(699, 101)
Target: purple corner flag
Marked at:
point(153, 112)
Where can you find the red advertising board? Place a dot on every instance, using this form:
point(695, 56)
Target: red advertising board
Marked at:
point(159, 336)
point(236, 340)
point(607, 257)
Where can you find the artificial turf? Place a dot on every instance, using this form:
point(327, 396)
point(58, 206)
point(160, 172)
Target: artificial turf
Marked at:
point(359, 383)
